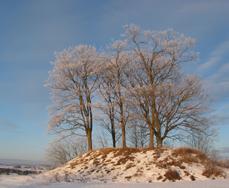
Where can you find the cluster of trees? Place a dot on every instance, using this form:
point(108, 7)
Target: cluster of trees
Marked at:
point(135, 87)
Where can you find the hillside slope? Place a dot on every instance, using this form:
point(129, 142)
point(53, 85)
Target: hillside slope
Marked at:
point(138, 165)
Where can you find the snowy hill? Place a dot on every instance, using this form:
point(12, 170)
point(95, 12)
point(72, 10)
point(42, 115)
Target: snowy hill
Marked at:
point(138, 165)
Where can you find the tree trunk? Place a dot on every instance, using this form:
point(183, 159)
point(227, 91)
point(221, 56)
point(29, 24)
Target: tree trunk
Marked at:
point(152, 125)
point(135, 137)
point(123, 124)
point(151, 142)
point(123, 136)
point(89, 139)
point(158, 131)
point(113, 134)
point(113, 140)
point(159, 141)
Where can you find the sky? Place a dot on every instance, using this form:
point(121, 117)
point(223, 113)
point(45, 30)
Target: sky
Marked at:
point(32, 31)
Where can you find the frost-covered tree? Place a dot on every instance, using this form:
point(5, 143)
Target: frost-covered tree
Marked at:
point(180, 108)
point(108, 106)
point(138, 134)
point(138, 79)
point(157, 57)
point(113, 88)
point(72, 83)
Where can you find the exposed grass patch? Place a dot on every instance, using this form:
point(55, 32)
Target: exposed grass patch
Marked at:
point(190, 155)
point(130, 165)
point(159, 177)
point(172, 175)
point(223, 163)
point(192, 178)
point(124, 160)
point(212, 171)
point(128, 177)
point(168, 162)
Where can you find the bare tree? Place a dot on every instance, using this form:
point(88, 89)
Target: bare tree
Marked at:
point(72, 83)
point(140, 84)
point(111, 129)
point(202, 140)
point(113, 90)
point(138, 134)
point(61, 151)
point(157, 56)
point(102, 141)
point(108, 107)
point(180, 108)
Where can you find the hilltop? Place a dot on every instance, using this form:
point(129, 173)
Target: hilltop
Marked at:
point(138, 165)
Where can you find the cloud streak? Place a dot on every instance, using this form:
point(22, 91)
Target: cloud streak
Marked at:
point(6, 125)
point(215, 73)
point(216, 57)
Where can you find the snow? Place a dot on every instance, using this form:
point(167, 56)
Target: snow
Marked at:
point(29, 182)
point(13, 180)
point(199, 184)
point(113, 168)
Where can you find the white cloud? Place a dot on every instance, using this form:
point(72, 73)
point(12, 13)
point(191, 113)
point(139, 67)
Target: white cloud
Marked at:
point(216, 57)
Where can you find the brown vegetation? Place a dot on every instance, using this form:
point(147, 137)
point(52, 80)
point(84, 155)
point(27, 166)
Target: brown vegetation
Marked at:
point(223, 163)
point(172, 175)
point(192, 178)
point(119, 160)
point(168, 162)
point(212, 171)
point(189, 155)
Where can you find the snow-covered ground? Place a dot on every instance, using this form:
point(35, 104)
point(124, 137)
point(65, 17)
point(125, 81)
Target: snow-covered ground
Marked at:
point(13, 180)
point(127, 168)
point(130, 165)
point(28, 182)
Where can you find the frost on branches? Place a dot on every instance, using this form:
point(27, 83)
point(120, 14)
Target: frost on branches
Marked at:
point(136, 82)
point(72, 83)
point(155, 77)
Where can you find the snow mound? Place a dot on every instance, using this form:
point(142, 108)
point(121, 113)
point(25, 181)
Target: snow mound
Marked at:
point(138, 165)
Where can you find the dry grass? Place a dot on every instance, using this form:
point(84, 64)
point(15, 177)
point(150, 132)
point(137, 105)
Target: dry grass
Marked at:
point(168, 162)
point(104, 161)
point(223, 163)
point(212, 171)
point(119, 151)
point(189, 151)
point(130, 165)
point(189, 155)
point(192, 178)
point(99, 157)
point(159, 177)
point(172, 175)
point(179, 156)
point(186, 173)
point(212, 167)
point(96, 162)
point(128, 177)
point(124, 160)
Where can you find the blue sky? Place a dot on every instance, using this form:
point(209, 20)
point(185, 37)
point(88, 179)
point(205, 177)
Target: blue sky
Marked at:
point(31, 31)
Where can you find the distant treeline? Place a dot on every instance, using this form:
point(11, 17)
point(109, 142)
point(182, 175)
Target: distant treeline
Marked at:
point(18, 171)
